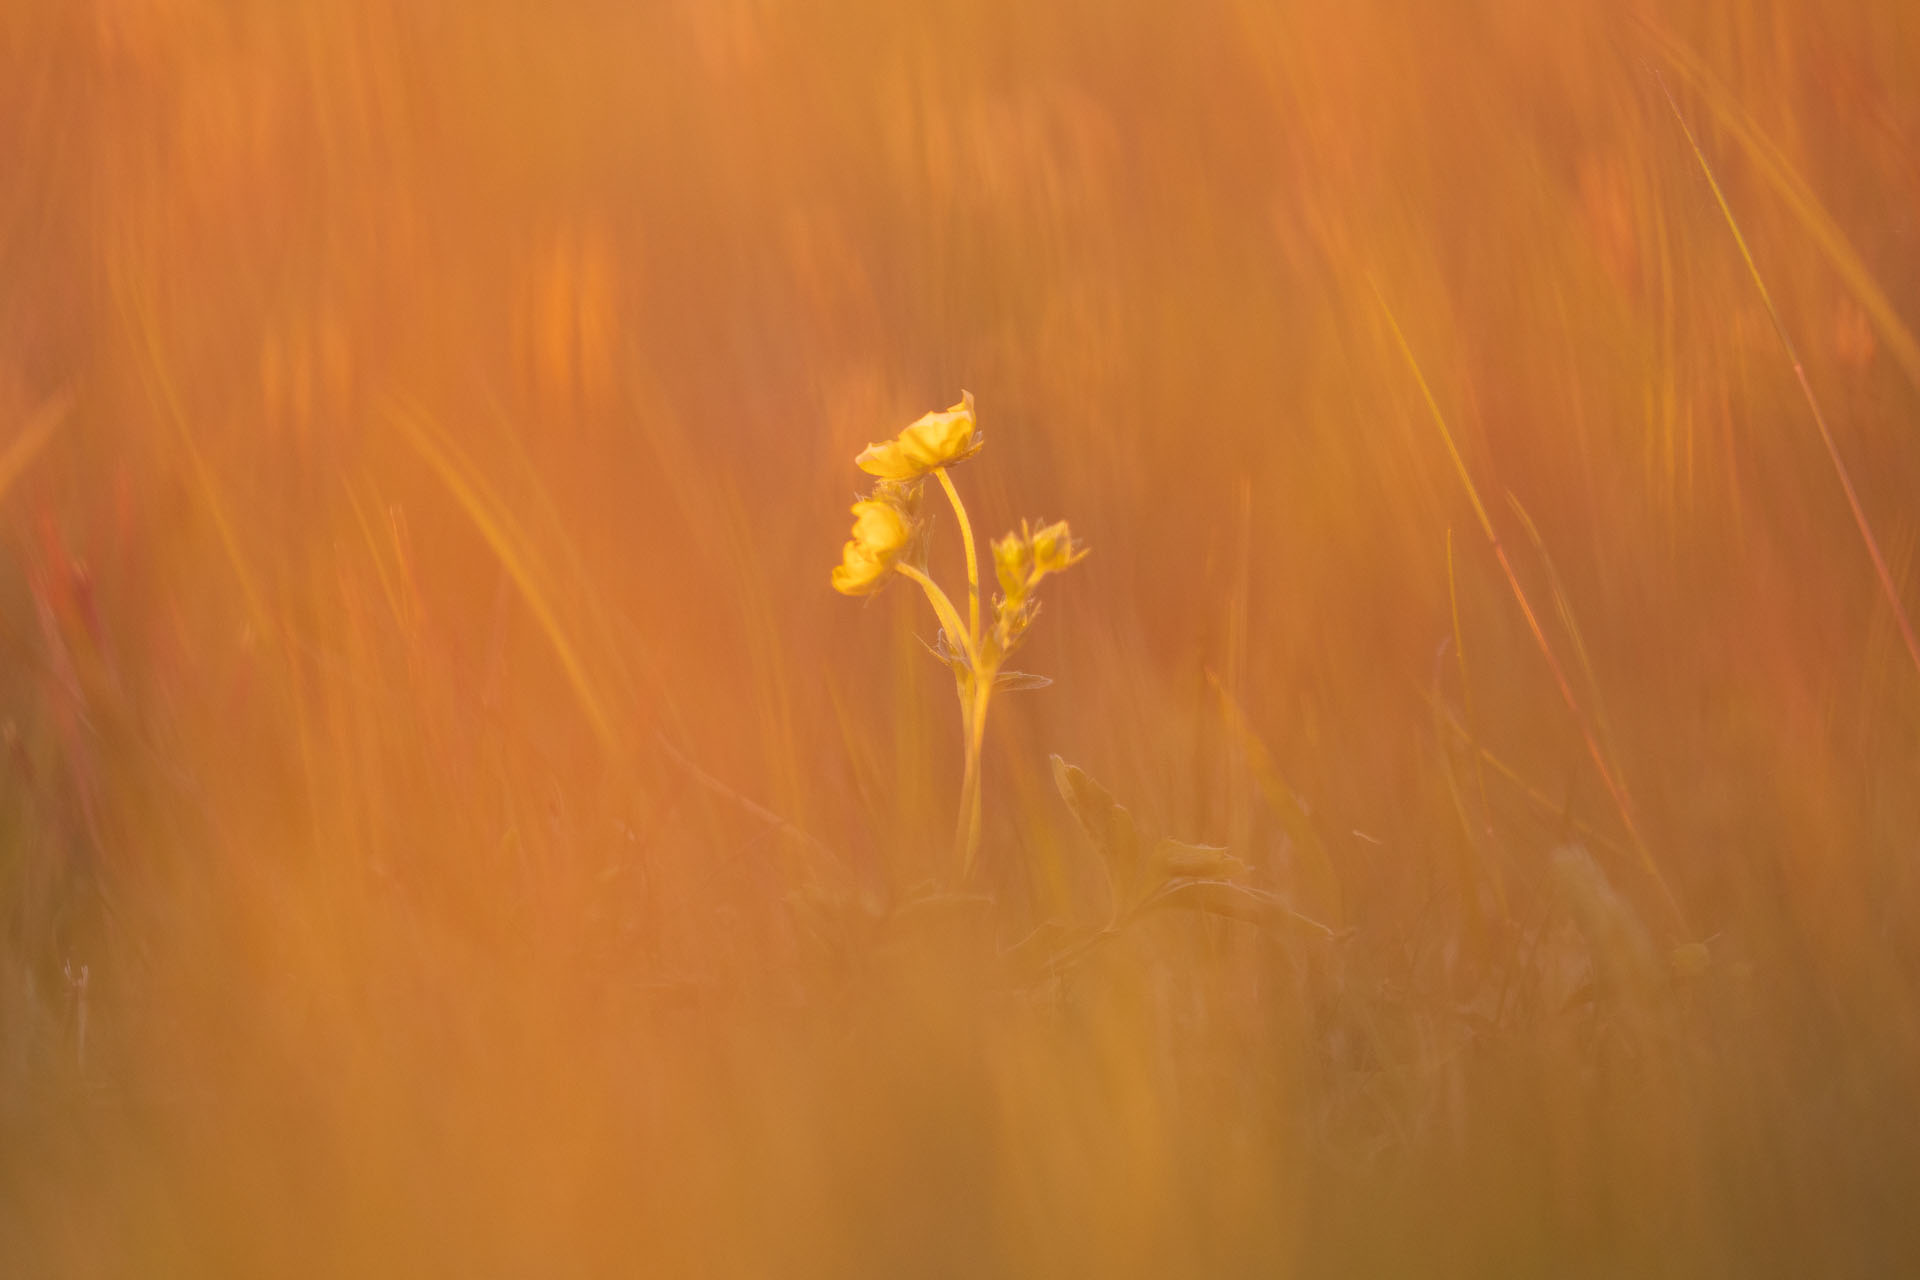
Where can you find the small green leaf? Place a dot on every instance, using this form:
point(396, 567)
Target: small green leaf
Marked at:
point(1108, 826)
point(1236, 902)
point(941, 649)
point(1175, 858)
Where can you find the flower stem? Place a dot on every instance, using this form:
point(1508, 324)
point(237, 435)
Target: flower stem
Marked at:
point(973, 564)
point(975, 686)
point(973, 717)
point(949, 616)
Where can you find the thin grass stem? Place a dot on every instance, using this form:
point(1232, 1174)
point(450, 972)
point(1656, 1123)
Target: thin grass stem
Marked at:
point(1616, 791)
point(1880, 569)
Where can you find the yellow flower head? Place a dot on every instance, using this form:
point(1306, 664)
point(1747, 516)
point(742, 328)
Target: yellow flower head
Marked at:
point(880, 527)
point(880, 533)
point(934, 440)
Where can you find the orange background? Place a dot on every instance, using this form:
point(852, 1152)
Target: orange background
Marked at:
point(425, 433)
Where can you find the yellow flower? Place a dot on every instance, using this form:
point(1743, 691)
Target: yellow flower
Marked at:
point(880, 534)
point(858, 573)
point(880, 527)
point(934, 440)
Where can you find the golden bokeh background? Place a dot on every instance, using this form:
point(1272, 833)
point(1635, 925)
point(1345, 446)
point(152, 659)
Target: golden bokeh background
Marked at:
point(448, 825)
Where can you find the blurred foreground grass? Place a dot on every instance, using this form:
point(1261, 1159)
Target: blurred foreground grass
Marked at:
point(449, 826)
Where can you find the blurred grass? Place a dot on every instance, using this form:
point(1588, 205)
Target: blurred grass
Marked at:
point(490, 847)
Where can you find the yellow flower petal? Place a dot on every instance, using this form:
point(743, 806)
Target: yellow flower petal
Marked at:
point(858, 573)
point(881, 531)
point(886, 461)
point(932, 440)
point(880, 528)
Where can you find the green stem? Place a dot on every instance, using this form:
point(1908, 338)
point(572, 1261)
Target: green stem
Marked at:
point(973, 564)
point(949, 616)
point(975, 687)
point(973, 718)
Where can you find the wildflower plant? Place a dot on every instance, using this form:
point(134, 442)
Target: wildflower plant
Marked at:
point(889, 539)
